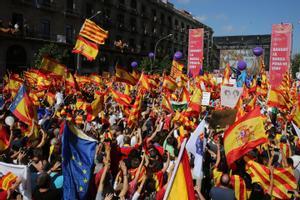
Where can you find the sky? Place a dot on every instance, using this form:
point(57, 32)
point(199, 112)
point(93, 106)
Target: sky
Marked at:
point(245, 17)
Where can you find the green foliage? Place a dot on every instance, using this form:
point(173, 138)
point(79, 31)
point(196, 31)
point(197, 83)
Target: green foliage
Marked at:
point(52, 50)
point(295, 64)
point(158, 66)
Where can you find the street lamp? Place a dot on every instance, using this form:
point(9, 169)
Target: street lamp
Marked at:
point(157, 43)
point(78, 55)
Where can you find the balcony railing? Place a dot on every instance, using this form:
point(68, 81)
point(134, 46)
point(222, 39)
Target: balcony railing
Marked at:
point(72, 12)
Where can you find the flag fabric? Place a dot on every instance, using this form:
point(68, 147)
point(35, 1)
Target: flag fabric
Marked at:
point(176, 70)
point(251, 105)
point(135, 111)
point(284, 179)
point(96, 79)
point(96, 106)
point(70, 83)
point(90, 30)
point(194, 107)
point(22, 107)
point(182, 187)
point(166, 104)
point(277, 99)
point(169, 84)
point(21, 171)
point(124, 76)
point(244, 135)
point(4, 138)
point(185, 95)
point(7, 181)
point(196, 145)
point(53, 67)
point(86, 48)
point(226, 76)
point(147, 82)
point(296, 115)
point(120, 98)
point(240, 109)
point(239, 187)
point(78, 152)
point(13, 85)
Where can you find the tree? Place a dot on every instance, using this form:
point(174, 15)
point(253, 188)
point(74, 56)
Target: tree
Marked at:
point(158, 66)
point(295, 64)
point(52, 50)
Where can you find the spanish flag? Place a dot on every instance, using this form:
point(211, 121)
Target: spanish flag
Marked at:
point(96, 79)
point(120, 98)
point(50, 98)
point(147, 82)
point(176, 70)
point(195, 103)
point(169, 84)
point(86, 48)
point(278, 99)
point(13, 84)
point(90, 30)
point(96, 106)
point(185, 95)
point(4, 138)
point(22, 107)
point(53, 67)
point(244, 135)
point(182, 187)
point(284, 179)
point(123, 76)
point(70, 83)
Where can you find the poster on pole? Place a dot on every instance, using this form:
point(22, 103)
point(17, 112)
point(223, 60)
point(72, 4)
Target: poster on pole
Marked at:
point(280, 54)
point(195, 52)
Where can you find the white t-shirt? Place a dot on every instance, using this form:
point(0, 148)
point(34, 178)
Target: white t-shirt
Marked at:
point(59, 98)
point(120, 140)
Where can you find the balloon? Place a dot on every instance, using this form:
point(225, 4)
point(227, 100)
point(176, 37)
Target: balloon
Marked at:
point(151, 55)
point(242, 65)
point(258, 51)
point(134, 64)
point(178, 55)
point(9, 120)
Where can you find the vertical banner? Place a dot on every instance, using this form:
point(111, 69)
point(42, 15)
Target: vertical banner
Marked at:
point(195, 57)
point(280, 55)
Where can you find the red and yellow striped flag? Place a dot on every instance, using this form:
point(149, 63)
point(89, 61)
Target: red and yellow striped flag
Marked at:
point(120, 98)
point(239, 187)
point(194, 107)
point(169, 84)
point(240, 109)
point(244, 135)
point(86, 48)
point(166, 104)
point(4, 138)
point(13, 84)
point(96, 106)
point(226, 75)
point(278, 99)
point(124, 76)
point(90, 30)
point(53, 67)
point(284, 179)
point(7, 181)
point(135, 111)
point(147, 82)
point(176, 70)
point(286, 149)
point(185, 95)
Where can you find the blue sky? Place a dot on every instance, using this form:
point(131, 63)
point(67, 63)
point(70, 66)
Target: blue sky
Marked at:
point(245, 17)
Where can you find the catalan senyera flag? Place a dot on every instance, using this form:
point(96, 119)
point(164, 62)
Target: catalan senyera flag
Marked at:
point(53, 67)
point(226, 76)
point(296, 115)
point(22, 107)
point(166, 104)
point(286, 149)
point(124, 76)
point(182, 186)
point(7, 181)
point(240, 109)
point(176, 70)
point(90, 30)
point(284, 179)
point(86, 48)
point(4, 138)
point(244, 135)
point(120, 98)
point(169, 84)
point(135, 111)
point(278, 99)
point(239, 187)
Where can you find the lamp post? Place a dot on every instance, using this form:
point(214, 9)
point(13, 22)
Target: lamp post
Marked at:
point(157, 43)
point(78, 55)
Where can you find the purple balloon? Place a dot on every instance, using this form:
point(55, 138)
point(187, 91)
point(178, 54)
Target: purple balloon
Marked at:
point(151, 55)
point(134, 64)
point(178, 55)
point(242, 65)
point(258, 51)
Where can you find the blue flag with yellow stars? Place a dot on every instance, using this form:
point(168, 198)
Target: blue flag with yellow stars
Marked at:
point(78, 151)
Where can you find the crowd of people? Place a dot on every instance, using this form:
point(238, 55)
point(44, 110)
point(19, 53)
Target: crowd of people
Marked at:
point(139, 141)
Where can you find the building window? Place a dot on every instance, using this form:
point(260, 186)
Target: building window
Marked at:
point(133, 24)
point(70, 4)
point(45, 29)
point(69, 34)
point(143, 10)
point(133, 4)
point(89, 10)
point(170, 22)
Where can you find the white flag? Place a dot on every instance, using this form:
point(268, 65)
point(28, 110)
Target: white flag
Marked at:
point(196, 145)
point(297, 130)
point(21, 171)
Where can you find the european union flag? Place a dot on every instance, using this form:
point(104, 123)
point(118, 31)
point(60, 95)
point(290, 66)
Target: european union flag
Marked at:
point(78, 151)
point(1, 101)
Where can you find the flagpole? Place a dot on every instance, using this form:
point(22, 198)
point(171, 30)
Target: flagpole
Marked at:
point(175, 170)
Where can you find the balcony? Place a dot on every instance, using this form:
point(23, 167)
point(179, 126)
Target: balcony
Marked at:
point(70, 12)
point(47, 5)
